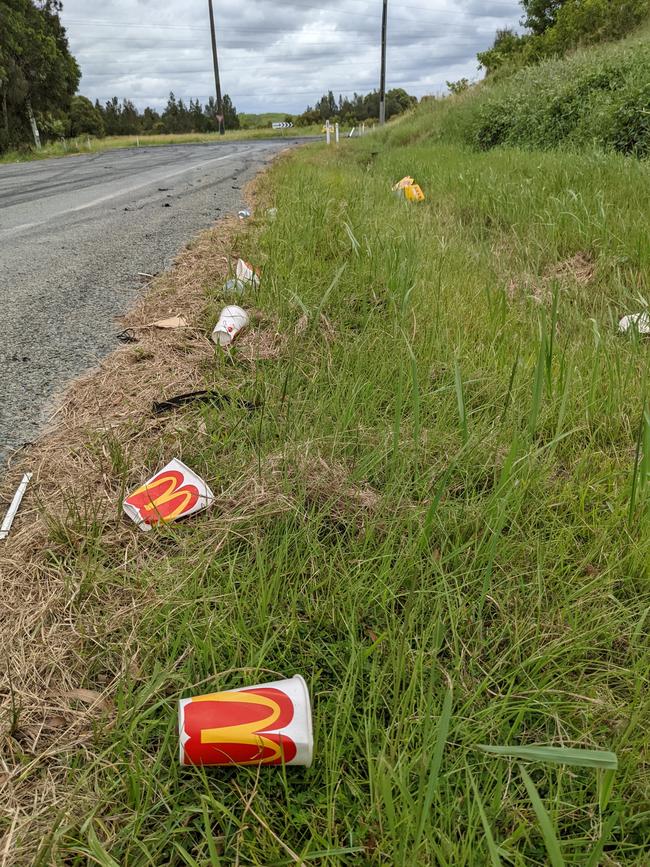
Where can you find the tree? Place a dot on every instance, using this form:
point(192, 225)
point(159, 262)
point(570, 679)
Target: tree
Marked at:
point(458, 87)
point(507, 47)
point(230, 116)
point(540, 14)
point(38, 75)
point(85, 118)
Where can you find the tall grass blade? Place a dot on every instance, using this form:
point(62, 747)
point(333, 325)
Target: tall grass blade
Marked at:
point(640, 461)
point(557, 755)
point(460, 398)
point(595, 856)
point(545, 824)
point(436, 762)
point(489, 839)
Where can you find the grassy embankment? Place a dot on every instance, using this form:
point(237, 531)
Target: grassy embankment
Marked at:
point(85, 145)
point(596, 98)
point(440, 516)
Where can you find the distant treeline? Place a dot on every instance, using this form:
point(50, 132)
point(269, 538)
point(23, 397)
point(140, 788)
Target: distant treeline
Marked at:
point(39, 77)
point(357, 109)
point(124, 118)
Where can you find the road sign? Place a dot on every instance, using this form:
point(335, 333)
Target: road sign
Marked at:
point(281, 125)
point(219, 118)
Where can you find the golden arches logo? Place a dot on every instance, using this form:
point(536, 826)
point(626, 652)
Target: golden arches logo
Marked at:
point(164, 498)
point(240, 728)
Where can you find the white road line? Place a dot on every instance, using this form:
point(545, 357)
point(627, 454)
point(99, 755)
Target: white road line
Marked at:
point(123, 192)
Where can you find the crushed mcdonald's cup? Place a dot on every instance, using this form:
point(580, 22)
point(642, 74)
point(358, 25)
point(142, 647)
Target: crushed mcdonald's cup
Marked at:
point(408, 189)
point(247, 274)
point(267, 724)
point(173, 493)
point(413, 193)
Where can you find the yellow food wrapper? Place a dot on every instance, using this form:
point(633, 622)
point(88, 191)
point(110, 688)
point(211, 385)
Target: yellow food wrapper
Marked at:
point(405, 182)
point(413, 193)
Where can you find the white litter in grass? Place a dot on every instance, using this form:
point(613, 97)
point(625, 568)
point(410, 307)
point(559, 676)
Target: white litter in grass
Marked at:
point(15, 505)
point(247, 274)
point(640, 321)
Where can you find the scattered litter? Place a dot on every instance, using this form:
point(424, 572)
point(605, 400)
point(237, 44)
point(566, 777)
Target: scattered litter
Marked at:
point(233, 319)
point(245, 213)
point(218, 397)
point(638, 321)
point(272, 213)
point(235, 285)
point(413, 193)
point(247, 274)
point(405, 182)
point(127, 336)
point(15, 505)
point(266, 724)
point(173, 322)
point(166, 205)
point(407, 188)
point(174, 493)
point(144, 274)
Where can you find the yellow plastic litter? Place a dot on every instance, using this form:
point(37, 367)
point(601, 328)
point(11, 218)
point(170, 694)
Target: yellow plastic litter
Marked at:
point(413, 193)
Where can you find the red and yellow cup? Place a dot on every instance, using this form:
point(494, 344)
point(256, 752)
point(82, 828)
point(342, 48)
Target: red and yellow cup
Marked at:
point(173, 493)
point(267, 724)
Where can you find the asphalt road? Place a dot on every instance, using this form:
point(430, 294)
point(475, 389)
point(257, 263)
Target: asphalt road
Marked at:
point(74, 235)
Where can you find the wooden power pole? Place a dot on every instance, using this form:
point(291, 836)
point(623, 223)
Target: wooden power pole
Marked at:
point(217, 80)
point(382, 85)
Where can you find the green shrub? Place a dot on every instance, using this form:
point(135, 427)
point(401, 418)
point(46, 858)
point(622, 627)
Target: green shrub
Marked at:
point(599, 97)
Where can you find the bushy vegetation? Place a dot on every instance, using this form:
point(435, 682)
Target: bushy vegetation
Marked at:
point(554, 27)
point(596, 98)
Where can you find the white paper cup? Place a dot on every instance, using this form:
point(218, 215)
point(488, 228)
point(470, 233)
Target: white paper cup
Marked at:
point(638, 321)
point(267, 724)
point(173, 493)
point(233, 319)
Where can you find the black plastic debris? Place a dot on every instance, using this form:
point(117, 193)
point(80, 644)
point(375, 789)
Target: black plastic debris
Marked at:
point(206, 396)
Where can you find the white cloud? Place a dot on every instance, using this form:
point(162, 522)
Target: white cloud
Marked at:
point(276, 55)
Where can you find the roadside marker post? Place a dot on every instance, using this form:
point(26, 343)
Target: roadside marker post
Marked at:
point(328, 137)
point(336, 130)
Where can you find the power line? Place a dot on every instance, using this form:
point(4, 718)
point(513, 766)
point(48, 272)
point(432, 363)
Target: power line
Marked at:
point(148, 26)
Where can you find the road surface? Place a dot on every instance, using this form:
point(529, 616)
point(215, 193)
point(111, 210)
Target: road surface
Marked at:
point(74, 235)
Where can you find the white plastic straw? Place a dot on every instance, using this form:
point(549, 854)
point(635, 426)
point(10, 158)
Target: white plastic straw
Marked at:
point(15, 505)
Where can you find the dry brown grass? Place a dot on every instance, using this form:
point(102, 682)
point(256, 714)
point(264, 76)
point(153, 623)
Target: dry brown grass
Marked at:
point(303, 481)
point(101, 439)
point(578, 270)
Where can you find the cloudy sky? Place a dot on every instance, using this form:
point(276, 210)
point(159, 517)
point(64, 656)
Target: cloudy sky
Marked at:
point(276, 55)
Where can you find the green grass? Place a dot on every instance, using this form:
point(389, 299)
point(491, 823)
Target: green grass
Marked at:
point(86, 144)
point(262, 120)
point(496, 596)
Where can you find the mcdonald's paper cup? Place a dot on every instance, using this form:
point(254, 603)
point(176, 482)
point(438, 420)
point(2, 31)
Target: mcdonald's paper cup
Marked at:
point(173, 493)
point(232, 320)
point(268, 724)
point(247, 274)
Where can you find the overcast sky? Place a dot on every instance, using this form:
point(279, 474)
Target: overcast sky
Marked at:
point(276, 55)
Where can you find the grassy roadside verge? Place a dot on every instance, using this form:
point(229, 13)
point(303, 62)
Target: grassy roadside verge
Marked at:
point(86, 145)
point(437, 517)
